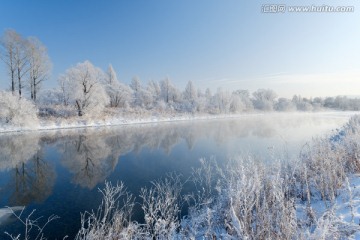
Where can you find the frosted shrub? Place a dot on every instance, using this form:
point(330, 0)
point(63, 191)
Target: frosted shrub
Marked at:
point(161, 207)
point(17, 112)
point(258, 205)
point(110, 221)
point(324, 164)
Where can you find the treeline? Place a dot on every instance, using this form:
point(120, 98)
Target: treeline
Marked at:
point(85, 89)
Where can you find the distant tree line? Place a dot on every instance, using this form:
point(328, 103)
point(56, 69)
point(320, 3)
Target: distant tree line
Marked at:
point(85, 89)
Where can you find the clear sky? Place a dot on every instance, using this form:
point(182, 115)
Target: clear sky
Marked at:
point(227, 43)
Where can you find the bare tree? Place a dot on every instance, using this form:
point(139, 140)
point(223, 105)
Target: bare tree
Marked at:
point(39, 64)
point(8, 43)
point(21, 61)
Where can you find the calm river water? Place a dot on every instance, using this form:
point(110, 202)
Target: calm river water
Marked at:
point(59, 172)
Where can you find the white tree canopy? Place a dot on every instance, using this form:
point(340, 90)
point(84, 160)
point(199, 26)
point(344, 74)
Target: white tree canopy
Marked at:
point(264, 99)
point(87, 93)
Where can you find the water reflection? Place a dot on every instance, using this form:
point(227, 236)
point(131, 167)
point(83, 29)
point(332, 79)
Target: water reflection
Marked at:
point(16, 149)
point(32, 181)
point(90, 155)
point(66, 166)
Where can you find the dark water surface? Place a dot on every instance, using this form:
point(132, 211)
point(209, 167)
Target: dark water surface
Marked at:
point(60, 172)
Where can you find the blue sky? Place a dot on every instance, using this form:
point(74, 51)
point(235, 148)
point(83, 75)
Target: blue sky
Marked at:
point(214, 43)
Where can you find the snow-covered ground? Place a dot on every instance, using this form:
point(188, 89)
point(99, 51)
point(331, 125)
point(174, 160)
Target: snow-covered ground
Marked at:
point(348, 203)
point(115, 120)
point(78, 122)
point(343, 215)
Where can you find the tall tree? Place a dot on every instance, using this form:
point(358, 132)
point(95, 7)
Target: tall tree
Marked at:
point(21, 61)
point(39, 63)
point(119, 93)
point(136, 87)
point(111, 75)
point(9, 42)
point(190, 92)
point(112, 85)
point(169, 92)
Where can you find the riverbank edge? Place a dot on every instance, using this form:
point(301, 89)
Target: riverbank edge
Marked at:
point(48, 124)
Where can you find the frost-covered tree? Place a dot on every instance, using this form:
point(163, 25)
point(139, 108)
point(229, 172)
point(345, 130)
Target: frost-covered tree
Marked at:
point(86, 91)
point(329, 102)
point(264, 99)
point(169, 93)
point(302, 104)
point(222, 100)
point(111, 75)
point(7, 54)
point(190, 93)
point(39, 63)
point(318, 103)
point(154, 89)
point(119, 93)
point(17, 111)
point(145, 98)
point(166, 89)
point(244, 95)
point(136, 87)
point(190, 97)
point(21, 62)
point(50, 97)
point(284, 104)
point(14, 54)
point(236, 104)
point(65, 89)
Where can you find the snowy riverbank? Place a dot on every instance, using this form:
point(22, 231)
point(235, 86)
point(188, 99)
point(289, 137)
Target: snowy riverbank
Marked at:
point(127, 119)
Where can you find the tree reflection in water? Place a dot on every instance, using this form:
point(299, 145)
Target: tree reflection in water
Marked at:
point(33, 181)
point(92, 154)
point(88, 157)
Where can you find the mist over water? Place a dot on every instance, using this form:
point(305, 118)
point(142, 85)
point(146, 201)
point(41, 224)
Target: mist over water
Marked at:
point(59, 172)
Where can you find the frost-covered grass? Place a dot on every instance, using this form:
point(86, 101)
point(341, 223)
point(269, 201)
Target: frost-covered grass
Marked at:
point(315, 196)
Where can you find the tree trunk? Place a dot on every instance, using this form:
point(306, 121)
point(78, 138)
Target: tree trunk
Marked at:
point(12, 82)
point(19, 82)
point(80, 113)
point(34, 89)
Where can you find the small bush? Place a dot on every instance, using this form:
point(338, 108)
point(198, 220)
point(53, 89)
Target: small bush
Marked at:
point(17, 112)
